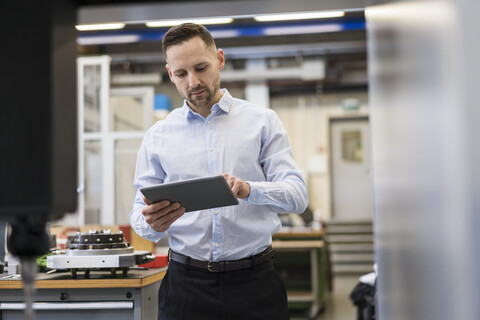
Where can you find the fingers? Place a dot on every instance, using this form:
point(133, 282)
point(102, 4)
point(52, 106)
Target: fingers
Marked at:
point(228, 178)
point(236, 187)
point(162, 223)
point(152, 208)
point(240, 188)
point(146, 201)
point(231, 180)
point(161, 219)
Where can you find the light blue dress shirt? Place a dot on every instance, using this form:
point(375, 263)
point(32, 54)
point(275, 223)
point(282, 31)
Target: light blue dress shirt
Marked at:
point(238, 138)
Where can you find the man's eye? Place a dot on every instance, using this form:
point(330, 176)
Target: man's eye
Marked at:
point(201, 69)
point(180, 75)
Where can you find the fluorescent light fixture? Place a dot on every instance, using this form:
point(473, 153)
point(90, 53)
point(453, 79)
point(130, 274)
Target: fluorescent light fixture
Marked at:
point(278, 31)
point(217, 34)
point(103, 26)
point(299, 16)
point(96, 40)
point(170, 23)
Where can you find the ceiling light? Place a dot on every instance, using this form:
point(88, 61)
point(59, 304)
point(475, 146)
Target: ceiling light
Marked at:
point(284, 30)
point(299, 16)
point(169, 23)
point(103, 26)
point(112, 39)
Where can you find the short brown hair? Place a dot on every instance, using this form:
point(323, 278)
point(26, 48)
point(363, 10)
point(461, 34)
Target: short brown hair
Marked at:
point(183, 32)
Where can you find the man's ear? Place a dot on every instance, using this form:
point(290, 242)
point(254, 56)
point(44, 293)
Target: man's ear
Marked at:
point(221, 59)
point(169, 73)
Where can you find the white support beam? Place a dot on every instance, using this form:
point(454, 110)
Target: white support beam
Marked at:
point(256, 90)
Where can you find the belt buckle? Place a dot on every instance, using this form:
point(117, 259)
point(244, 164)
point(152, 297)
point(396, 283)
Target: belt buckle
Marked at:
point(210, 267)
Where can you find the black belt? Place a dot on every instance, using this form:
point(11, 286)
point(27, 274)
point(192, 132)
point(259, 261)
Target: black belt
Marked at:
point(223, 266)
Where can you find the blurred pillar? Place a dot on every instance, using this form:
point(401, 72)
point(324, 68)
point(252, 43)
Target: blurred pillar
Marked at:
point(423, 92)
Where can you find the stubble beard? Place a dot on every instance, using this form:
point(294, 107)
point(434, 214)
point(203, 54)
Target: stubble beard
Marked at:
point(207, 100)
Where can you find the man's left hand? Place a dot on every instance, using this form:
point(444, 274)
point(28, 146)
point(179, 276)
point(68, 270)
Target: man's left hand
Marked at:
point(240, 188)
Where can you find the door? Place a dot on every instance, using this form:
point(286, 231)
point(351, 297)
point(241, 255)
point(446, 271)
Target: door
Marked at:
point(350, 169)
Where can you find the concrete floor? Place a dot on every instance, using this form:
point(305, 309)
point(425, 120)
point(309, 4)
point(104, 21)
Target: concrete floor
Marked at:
point(338, 306)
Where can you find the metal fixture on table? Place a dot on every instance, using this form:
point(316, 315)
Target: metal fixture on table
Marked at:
point(96, 250)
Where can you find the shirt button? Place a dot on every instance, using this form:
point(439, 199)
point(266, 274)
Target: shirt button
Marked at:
point(211, 149)
point(209, 122)
point(254, 199)
point(217, 245)
point(217, 212)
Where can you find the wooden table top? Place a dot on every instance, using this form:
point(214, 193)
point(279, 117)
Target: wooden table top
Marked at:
point(297, 245)
point(97, 279)
point(298, 234)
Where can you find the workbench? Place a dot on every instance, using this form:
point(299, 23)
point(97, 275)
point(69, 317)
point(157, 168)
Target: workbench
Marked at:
point(300, 261)
point(100, 297)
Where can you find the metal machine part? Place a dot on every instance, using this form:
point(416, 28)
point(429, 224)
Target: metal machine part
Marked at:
point(98, 251)
point(95, 240)
point(28, 266)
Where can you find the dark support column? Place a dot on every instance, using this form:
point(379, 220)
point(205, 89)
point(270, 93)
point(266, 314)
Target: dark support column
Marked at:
point(38, 135)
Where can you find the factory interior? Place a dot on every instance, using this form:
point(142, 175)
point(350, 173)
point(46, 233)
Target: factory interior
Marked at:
point(379, 100)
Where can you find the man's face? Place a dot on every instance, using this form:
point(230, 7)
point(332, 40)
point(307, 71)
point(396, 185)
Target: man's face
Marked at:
point(195, 71)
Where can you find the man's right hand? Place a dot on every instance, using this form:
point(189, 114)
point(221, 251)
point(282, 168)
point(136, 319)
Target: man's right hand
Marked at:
point(161, 215)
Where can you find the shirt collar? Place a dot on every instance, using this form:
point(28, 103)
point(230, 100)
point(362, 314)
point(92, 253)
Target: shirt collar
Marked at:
point(225, 104)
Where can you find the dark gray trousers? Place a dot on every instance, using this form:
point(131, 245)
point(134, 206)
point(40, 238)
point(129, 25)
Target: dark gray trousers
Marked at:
point(189, 293)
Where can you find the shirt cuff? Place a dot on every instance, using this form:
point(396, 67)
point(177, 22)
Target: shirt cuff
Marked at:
point(148, 233)
point(255, 194)
point(157, 235)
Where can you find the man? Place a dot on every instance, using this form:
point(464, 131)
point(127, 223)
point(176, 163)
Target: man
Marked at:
point(221, 263)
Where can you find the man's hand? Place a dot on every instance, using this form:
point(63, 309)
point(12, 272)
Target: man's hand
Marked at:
point(161, 215)
point(240, 188)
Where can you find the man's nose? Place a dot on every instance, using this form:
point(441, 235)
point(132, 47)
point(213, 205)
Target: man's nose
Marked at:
point(193, 80)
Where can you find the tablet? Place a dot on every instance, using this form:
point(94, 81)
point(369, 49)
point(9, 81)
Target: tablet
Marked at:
point(194, 194)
